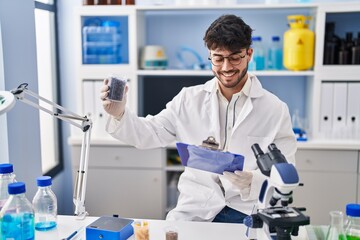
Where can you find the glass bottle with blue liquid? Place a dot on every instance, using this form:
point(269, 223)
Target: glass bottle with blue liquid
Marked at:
point(258, 58)
point(45, 205)
point(275, 56)
point(17, 215)
point(7, 176)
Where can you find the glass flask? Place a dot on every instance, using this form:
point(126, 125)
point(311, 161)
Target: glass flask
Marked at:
point(336, 229)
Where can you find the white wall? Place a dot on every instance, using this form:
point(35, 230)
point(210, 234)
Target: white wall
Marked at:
point(19, 65)
point(4, 148)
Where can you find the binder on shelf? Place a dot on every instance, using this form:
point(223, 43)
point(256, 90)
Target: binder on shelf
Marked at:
point(88, 99)
point(339, 110)
point(326, 108)
point(100, 117)
point(353, 110)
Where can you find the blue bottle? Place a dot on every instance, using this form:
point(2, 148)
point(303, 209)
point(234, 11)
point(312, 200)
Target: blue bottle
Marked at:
point(258, 57)
point(275, 56)
point(17, 215)
point(6, 177)
point(45, 205)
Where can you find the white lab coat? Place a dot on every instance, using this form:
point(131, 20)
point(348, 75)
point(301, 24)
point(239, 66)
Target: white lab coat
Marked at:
point(191, 117)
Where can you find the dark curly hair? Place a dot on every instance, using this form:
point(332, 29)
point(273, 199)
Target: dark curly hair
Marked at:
point(229, 32)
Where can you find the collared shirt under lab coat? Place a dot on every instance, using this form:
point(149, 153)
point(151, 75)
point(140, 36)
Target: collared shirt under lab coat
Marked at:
point(191, 117)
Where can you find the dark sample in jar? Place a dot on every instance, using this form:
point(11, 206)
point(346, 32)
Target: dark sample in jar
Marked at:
point(171, 235)
point(117, 88)
point(114, 2)
point(130, 2)
point(88, 2)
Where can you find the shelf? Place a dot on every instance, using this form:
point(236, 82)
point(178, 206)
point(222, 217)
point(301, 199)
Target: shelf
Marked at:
point(190, 7)
point(339, 72)
point(175, 168)
point(209, 73)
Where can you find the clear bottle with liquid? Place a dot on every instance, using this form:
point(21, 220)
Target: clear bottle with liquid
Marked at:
point(258, 54)
point(336, 229)
point(353, 226)
point(17, 215)
point(45, 205)
point(275, 56)
point(7, 176)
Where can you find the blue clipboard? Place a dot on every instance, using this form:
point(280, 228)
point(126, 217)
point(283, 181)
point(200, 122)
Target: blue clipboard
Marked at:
point(209, 160)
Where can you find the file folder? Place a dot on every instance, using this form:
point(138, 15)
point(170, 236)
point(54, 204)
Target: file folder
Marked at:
point(326, 108)
point(339, 109)
point(205, 159)
point(88, 99)
point(353, 110)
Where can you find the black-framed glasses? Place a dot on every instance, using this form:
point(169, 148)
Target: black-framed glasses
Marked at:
point(234, 59)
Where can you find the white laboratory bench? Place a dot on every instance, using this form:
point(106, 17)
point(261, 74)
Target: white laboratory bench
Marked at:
point(187, 230)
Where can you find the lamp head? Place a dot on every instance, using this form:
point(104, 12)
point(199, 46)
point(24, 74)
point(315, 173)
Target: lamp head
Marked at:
point(7, 101)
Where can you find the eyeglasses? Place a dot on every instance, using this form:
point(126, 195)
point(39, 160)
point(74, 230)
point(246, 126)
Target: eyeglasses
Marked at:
point(234, 59)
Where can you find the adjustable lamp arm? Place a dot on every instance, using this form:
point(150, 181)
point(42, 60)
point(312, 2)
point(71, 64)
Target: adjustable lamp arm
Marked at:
point(62, 113)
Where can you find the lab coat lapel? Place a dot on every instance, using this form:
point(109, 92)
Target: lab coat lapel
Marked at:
point(256, 90)
point(212, 109)
point(248, 106)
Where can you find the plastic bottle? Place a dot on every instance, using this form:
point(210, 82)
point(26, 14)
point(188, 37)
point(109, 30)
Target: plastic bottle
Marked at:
point(6, 177)
point(45, 205)
point(17, 215)
point(275, 56)
point(353, 227)
point(259, 54)
point(336, 229)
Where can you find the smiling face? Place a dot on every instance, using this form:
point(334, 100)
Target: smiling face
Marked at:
point(230, 69)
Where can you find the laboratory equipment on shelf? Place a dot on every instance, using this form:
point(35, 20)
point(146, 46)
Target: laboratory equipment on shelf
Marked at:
point(299, 44)
point(22, 93)
point(336, 228)
point(353, 224)
point(258, 57)
point(275, 56)
point(273, 221)
point(45, 205)
point(7, 176)
point(17, 215)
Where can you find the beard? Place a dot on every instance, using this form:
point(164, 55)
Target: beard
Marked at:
point(235, 83)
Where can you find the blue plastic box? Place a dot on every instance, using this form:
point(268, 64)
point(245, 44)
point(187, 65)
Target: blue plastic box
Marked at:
point(110, 228)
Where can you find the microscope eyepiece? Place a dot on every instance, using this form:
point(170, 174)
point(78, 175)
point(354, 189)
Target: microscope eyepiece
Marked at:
point(256, 150)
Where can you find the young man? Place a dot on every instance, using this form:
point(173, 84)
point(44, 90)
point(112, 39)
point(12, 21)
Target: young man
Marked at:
point(232, 107)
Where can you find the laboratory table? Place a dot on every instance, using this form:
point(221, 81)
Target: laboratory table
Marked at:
point(187, 230)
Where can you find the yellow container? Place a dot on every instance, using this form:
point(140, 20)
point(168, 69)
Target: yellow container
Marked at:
point(298, 52)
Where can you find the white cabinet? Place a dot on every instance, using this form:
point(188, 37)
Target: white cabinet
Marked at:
point(137, 187)
point(330, 182)
point(125, 181)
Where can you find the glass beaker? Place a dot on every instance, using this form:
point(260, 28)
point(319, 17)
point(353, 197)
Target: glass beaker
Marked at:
point(336, 229)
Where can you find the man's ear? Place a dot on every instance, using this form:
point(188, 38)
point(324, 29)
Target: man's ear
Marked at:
point(250, 53)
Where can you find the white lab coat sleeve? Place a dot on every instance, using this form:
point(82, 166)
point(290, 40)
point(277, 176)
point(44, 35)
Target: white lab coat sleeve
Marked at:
point(149, 132)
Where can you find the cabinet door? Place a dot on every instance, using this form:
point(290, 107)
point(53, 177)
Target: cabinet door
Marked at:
point(133, 193)
point(330, 182)
point(124, 180)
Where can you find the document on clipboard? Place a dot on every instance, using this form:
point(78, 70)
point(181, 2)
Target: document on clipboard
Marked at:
point(210, 160)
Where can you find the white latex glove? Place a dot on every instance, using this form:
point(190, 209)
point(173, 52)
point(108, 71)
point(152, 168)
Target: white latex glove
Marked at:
point(241, 180)
point(114, 108)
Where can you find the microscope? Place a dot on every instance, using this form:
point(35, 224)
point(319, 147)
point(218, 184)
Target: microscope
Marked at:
point(274, 219)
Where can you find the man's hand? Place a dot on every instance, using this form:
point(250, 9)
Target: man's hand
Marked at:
point(240, 179)
point(114, 108)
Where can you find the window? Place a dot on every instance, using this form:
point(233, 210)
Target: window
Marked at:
point(46, 47)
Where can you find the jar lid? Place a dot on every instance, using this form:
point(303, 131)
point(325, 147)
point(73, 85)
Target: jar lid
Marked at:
point(353, 210)
point(16, 188)
point(43, 181)
point(6, 168)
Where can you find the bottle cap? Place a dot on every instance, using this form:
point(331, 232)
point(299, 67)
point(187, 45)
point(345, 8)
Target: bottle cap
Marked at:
point(353, 209)
point(43, 181)
point(16, 188)
point(256, 38)
point(6, 168)
point(276, 38)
